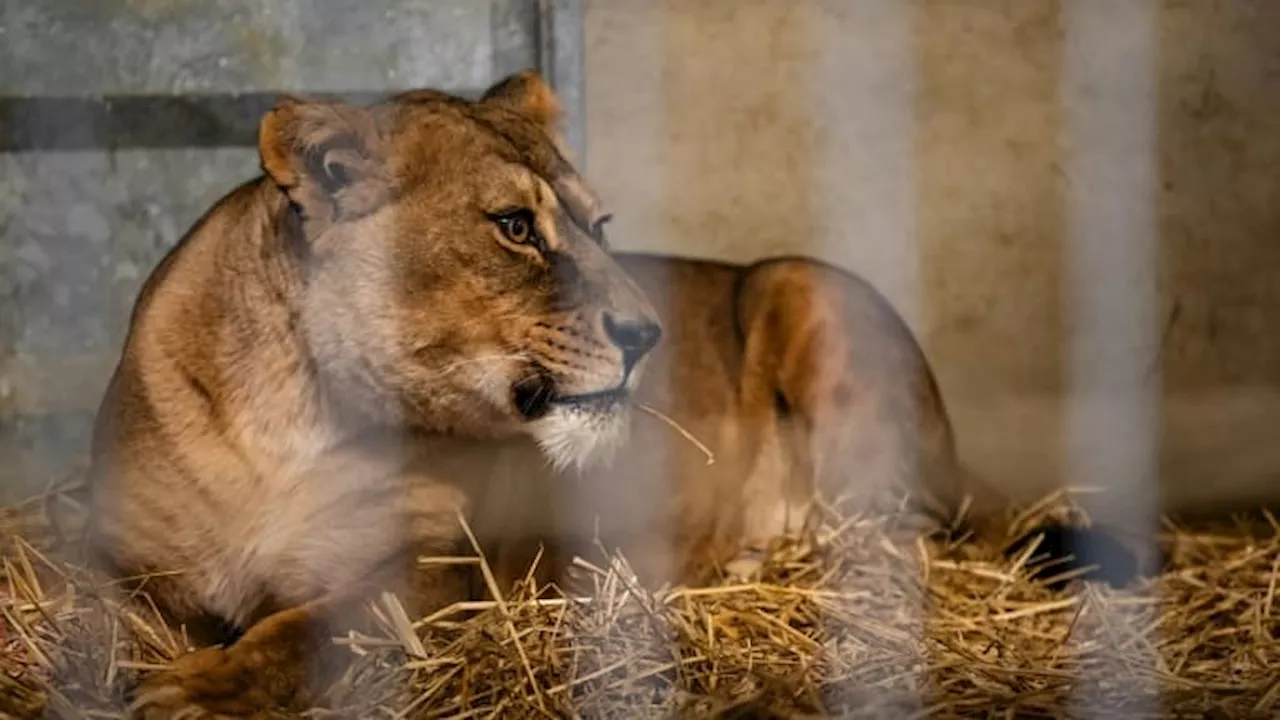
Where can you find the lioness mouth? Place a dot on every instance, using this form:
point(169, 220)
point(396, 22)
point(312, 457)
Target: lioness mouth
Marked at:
point(600, 398)
point(535, 396)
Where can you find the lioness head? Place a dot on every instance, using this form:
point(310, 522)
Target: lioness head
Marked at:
point(453, 268)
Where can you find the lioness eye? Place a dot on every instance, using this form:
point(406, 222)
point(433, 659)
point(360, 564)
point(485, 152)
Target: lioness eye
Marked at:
point(517, 226)
point(517, 230)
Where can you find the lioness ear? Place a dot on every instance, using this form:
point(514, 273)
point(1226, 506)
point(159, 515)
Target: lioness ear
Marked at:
point(326, 155)
point(528, 94)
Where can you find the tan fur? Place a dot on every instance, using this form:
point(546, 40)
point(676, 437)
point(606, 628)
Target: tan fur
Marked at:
point(325, 372)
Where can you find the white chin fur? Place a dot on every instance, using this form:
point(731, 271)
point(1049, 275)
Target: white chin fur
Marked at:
point(581, 439)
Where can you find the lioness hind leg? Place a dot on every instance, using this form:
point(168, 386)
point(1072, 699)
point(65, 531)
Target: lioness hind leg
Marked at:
point(871, 416)
point(849, 387)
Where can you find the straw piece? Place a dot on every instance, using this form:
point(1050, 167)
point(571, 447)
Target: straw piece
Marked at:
point(711, 457)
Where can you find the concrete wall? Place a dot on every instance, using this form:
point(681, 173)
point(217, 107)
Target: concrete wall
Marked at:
point(1075, 204)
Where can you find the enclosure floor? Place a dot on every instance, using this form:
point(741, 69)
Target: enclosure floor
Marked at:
point(843, 624)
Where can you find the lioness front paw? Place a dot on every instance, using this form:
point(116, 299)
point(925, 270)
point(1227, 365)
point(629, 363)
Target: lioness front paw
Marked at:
point(204, 685)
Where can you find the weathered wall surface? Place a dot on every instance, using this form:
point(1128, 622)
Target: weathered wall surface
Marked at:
point(1013, 175)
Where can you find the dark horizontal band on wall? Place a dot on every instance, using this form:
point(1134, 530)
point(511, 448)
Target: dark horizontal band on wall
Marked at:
point(120, 122)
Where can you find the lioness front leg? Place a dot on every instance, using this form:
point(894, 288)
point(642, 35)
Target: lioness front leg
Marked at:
point(284, 660)
point(285, 657)
point(270, 666)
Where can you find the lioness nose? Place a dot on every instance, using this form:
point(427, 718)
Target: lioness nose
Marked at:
point(633, 337)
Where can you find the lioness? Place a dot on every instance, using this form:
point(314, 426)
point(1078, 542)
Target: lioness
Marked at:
point(413, 318)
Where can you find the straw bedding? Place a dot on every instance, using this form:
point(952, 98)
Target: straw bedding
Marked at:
point(843, 622)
